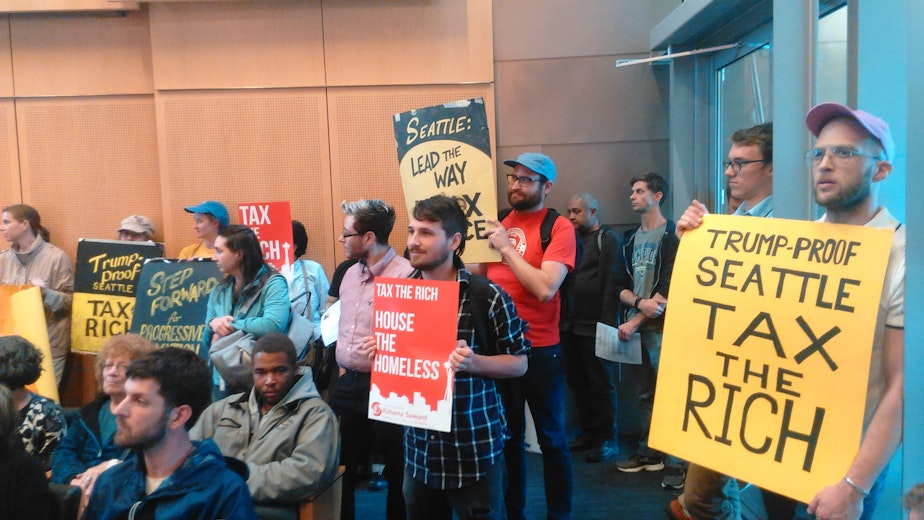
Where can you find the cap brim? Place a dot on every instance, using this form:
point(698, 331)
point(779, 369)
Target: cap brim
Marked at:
point(512, 163)
point(820, 114)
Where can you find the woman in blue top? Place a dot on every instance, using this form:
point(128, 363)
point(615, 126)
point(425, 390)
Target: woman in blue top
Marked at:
point(88, 448)
point(253, 297)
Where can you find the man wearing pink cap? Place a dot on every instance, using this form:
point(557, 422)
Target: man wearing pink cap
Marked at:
point(851, 156)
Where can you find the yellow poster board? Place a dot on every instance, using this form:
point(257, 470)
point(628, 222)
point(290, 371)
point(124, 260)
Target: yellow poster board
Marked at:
point(28, 315)
point(766, 349)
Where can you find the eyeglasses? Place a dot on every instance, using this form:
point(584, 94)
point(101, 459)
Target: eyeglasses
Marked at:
point(524, 181)
point(841, 155)
point(345, 234)
point(737, 164)
point(120, 368)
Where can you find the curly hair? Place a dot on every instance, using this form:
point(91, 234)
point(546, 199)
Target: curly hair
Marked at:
point(130, 346)
point(9, 421)
point(914, 500)
point(20, 362)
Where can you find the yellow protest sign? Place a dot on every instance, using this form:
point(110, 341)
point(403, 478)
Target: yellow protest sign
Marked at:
point(766, 349)
point(29, 319)
point(446, 149)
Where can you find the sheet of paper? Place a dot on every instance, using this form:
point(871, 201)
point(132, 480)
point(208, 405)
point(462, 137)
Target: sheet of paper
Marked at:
point(330, 323)
point(609, 346)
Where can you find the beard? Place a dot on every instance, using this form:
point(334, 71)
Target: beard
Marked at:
point(144, 440)
point(427, 266)
point(850, 196)
point(529, 200)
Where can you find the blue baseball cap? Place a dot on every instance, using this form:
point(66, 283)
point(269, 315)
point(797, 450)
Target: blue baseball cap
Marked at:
point(214, 208)
point(537, 162)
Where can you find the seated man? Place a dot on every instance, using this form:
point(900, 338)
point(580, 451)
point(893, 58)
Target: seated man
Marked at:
point(167, 475)
point(281, 429)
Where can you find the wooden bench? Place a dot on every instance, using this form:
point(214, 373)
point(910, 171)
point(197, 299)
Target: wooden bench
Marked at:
point(326, 504)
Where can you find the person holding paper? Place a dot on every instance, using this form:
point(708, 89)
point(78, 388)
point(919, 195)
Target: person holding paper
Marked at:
point(31, 259)
point(588, 297)
point(462, 470)
point(366, 228)
point(642, 287)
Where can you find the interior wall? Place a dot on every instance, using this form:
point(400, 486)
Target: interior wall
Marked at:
point(559, 92)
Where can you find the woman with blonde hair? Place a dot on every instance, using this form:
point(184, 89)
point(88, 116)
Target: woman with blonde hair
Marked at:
point(88, 449)
point(31, 259)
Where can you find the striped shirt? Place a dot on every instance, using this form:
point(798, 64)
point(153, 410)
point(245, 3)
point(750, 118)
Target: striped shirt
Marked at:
point(451, 460)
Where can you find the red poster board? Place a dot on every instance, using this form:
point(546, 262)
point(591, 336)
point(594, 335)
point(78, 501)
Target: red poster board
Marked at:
point(415, 323)
point(272, 223)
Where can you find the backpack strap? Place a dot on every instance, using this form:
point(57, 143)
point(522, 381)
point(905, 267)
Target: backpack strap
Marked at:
point(545, 229)
point(480, 297)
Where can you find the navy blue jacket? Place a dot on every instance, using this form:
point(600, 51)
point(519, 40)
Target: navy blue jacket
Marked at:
point(83, 446)
point(202, 488)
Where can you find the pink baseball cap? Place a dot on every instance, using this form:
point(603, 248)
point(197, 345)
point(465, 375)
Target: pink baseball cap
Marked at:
point(821, 114)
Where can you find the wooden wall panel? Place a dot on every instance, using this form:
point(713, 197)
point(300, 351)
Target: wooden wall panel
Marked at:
point(6, 59)
point(580, 100)
point(364, 162)
point(9, 159)
point(237, 44)
point(81, 54)
point(371, 42)
point(33, 6)
point(87, 163)
point(247, 146)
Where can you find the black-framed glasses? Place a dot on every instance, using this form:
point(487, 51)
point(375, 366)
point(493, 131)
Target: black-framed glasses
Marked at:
point(344, 234)
point(523, 180)
point(839, 154)
point(737, 164)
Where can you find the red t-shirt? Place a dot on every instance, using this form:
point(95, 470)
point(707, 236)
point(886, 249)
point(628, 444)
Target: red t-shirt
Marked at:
point(523, 230)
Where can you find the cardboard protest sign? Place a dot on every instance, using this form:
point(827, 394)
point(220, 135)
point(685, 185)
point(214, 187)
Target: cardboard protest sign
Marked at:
point(766, 349)
point(22, 313)
point(7, 326)
point(172, 302)
point(415, 324)
point(272, 223)
point(446, 149)
point(105, 278)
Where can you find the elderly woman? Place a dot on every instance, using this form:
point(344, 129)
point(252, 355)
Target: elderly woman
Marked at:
point(32, 260)
point(252, 297)
point(24, 489)
point(41, 422)
point(88, 448)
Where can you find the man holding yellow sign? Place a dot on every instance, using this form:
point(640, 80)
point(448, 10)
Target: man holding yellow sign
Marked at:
point(851, 154)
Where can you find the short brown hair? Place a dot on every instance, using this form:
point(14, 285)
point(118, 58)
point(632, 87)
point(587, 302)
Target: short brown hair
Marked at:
point(760, 135)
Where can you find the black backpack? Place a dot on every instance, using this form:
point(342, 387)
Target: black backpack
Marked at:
point(545, 230)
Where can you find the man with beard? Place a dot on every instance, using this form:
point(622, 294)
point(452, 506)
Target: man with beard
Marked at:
point(167, 475)
point(588, 298)
point(532, 271)
point(281, 429)
point(850, 158)
point(463, 470)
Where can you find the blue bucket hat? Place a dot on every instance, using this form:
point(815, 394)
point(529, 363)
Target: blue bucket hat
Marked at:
point(537, 162)
point(214, 208)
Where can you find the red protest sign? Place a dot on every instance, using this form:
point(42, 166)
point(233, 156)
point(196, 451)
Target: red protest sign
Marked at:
point(415, 323)
point(272, 223)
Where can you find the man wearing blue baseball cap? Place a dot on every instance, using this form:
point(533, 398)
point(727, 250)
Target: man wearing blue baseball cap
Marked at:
point(537, 247)
point(210, 218)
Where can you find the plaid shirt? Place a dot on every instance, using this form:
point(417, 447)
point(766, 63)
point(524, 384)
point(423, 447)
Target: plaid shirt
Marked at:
point(451, 460)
